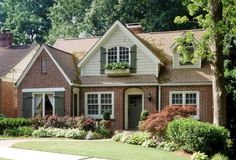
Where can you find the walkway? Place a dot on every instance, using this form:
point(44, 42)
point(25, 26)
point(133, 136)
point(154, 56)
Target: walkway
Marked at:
point(23, 154)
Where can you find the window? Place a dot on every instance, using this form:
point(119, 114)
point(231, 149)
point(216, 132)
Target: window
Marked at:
point(99, 102)
point(183, 98)
point(44, 65)
point(43, 104)
point(118, 54)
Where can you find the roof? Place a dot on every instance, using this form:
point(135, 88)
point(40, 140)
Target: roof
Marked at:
point(78, 47)
point(185, 75)
point(66, 61)
point(113, 81)
point(9, 57)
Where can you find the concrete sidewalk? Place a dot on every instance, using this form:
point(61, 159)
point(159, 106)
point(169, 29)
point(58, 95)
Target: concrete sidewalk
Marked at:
point(23, 154)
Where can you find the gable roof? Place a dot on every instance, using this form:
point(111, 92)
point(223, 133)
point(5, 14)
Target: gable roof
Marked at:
point(10, 57)
point(128, 33)
point(63, 60)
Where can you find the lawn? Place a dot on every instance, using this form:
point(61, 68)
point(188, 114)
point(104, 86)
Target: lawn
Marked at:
point(101, 149)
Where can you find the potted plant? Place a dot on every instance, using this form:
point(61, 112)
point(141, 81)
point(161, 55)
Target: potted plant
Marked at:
point(117, 69)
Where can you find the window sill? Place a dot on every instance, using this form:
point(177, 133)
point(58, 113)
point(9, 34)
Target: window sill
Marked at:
point(97, 117)
point(117, 73)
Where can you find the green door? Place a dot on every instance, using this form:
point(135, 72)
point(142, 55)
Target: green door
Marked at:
point(134, 110)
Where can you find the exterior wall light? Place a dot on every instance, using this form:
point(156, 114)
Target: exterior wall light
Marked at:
point(149, 96)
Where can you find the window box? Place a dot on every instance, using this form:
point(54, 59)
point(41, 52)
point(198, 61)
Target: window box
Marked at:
point(117, 72)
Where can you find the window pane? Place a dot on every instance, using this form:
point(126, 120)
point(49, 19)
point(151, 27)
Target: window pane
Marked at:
point(177, 98)
point(92, 109)
point(106, 98)
point(112, 55)
point(106, 108)
point(191, 99)
point(92, 99)
point(124, 54)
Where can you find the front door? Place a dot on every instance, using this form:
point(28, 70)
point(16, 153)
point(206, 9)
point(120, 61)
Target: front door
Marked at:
point(134, 110)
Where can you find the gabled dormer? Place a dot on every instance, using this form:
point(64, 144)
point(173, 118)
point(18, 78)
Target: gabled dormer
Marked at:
point(118, 53)
point(181, 60)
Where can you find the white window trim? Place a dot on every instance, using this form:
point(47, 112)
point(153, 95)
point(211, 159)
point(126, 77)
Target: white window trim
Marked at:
point(99, 116)
point(43, 99)
point(118, 54)
point(184, 100)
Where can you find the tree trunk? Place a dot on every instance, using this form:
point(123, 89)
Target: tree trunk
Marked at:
point(219, 93)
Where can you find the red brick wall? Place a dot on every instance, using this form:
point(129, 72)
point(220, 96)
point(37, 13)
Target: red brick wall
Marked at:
point(119, 95)
point(8, 99)
point(0, 96)
point(205, 98)
point(52, 79)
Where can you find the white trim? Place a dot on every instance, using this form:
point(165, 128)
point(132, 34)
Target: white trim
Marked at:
point(109, 32)
point(43, 89)
point(186, 84)
point(99, 116)
point(119, 84)
point(76, 91)
point(132, 91)
point(184, 100)
point(34, 59)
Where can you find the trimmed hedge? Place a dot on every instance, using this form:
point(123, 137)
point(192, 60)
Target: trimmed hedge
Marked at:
point(195, 136)
point(11, 123)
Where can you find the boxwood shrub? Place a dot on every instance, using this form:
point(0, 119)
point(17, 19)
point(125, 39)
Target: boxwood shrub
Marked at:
point(12, 123)
point(195, 136)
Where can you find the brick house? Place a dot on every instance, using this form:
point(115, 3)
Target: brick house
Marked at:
point(154, 78)
point(13, 60)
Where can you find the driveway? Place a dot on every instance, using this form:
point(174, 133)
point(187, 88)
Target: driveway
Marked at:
point(22, 154)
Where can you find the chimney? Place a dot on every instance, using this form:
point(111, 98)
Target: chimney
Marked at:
point(135, 27)
point(6, 39)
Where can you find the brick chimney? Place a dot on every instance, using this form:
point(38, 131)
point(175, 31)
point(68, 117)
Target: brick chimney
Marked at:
point(6, 39)
point(135, 27)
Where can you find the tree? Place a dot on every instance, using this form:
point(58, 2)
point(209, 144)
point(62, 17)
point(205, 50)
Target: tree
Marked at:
point(27, 19)
point(217, 17)
point(2, 14)
point(67, 18)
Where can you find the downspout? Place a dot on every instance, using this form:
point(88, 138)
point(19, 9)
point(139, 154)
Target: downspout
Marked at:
point(159, 98)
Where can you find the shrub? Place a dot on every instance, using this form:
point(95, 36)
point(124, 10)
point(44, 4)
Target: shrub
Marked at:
point(144, 114)
point(138, 137)
point(86, 123)
point(75, 134)
point(12, 123)
point(199, 156)
point(106, 115)
point(149, 143)
point(117, 136)
point(43, 132)
point(54, 121)
point(105, 124)
point(11, 132)
point(117, 66)
point(25, 131)
point(104, 132)
point(194, 136)
point(125, 137)
point(168, 146)
point(219, 156)
point(93, 135)
point(156, 123)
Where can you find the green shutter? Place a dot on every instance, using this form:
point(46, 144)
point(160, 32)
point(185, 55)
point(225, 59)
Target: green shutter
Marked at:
point(27, 104)
point(133, 59)
point(103, 60)
point(60, 103)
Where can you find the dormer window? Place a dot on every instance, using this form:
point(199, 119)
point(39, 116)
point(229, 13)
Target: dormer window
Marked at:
point(186, 54)
point(118, 54)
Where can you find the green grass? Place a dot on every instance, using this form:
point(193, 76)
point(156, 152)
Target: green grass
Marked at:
point(101, 149)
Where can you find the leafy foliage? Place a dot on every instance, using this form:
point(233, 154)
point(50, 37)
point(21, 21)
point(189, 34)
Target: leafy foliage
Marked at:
point(156, 123)
point(144, 114)
point(194, 136)
point(27, 19)
point(199, 156)
point(168, 146)
point(219, 156)
point(12, 123)
point(117, 66)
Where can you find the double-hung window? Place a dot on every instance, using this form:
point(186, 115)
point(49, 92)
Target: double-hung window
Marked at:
point(185, 98)
point(118, 54)
point(96, 103)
